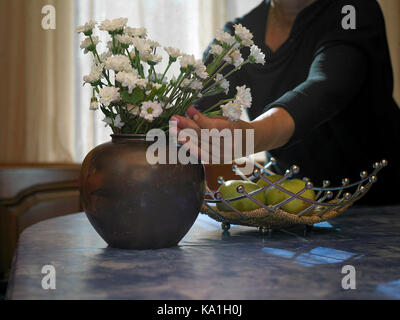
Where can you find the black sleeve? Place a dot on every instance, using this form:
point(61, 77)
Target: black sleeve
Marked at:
point(335, 77)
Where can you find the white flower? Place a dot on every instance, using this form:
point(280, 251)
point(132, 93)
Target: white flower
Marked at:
point(222, 83)
point(234, 57)
point(232, 111)
point(150, 57)
point(118, 63)
point(187, 61)
point(136, 32)
point(133, 109)
point(108, 121)
point(256, 55)
point(88, 26)
point(95, 74)
point(103, 56)
point(113, 25)
point(173, 52)
point(224, 37)
point(153, 44)
point(94, 104)
point(86, 43)
point(124, 39)
point(244, 35)
point(117, 122)
point(151, 110)
point(156, 85)
point(185, 83)
point(108, 95)
point(200, 69)
point(243, 97)
point(127, 79)
point(216, 49)
point(196, 85)
point(142, 45)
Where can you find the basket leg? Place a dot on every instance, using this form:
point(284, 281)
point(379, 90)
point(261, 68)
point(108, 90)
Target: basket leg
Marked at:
point(265, 231)
point(225, 226)
point(308, 229)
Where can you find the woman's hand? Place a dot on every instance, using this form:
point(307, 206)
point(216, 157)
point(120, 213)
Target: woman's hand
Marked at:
point(213, 146)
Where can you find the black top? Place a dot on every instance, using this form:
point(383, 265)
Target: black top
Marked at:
point(337, 85)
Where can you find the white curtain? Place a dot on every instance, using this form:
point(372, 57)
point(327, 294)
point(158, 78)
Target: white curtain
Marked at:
point(185, 24)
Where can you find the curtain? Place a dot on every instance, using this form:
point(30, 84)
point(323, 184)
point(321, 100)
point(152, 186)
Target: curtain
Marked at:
point(391, 11)
point(36, 85)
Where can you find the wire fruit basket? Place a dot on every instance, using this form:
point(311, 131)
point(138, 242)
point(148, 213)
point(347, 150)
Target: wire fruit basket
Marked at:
point(330, 201)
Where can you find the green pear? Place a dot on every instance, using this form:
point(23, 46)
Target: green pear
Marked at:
point(274, 196)
point(228, 191)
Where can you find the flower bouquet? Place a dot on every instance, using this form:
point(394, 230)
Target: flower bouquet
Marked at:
point(136, 97)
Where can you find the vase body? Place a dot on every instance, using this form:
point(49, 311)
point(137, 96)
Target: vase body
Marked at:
point(136, 205)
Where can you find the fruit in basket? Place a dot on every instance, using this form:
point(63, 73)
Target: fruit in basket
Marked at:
point(274, 196)
point(271, 178)
point(228, 190)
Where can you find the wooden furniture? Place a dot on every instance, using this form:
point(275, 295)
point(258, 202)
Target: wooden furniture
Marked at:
point(211, 264)
point(30, 193)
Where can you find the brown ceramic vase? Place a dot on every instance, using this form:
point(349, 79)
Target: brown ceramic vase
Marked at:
point(133, 204)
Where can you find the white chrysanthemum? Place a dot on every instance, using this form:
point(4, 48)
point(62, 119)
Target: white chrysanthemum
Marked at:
point(153, 44)
point(135, 110)
point(196, 85)
point(108, 95)
point(124, 39)
point(88, 26)
point(156, 85)
point(150, 110)
point(173, 52)
point(234, 57)
point(256, 55)
point(87, 42)
point(103, 56)
point(243, 97)
point(244, 35)
point(222, 83)
point(151, 57)
point(118, 63)
point(185, 83)
point(142, 45)
point(117, 122)
point(224, 37)
point(94, 104)
point(95, 74)
point(127, 79)
point(136, 32)
point(200, 69)
point(216, 49)
point(232, 111)
point(113, 25)
point(187, 60)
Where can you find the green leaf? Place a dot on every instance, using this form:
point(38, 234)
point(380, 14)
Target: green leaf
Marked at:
point(135, 97)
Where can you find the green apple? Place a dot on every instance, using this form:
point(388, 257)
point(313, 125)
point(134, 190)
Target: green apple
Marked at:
point(228, 191)
point(274, 196)
point(272, 178)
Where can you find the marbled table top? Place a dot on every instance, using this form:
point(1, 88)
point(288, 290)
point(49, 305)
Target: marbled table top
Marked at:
point(211, 264)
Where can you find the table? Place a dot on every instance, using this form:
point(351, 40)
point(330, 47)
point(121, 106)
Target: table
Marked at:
point(211, 264)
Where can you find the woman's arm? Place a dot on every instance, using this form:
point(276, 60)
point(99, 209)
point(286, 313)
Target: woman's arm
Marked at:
point(335, 77)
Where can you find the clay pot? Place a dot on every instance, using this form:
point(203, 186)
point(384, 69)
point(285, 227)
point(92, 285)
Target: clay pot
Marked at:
point(133, 204)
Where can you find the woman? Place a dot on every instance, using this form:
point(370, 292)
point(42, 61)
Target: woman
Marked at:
point(323, 99)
